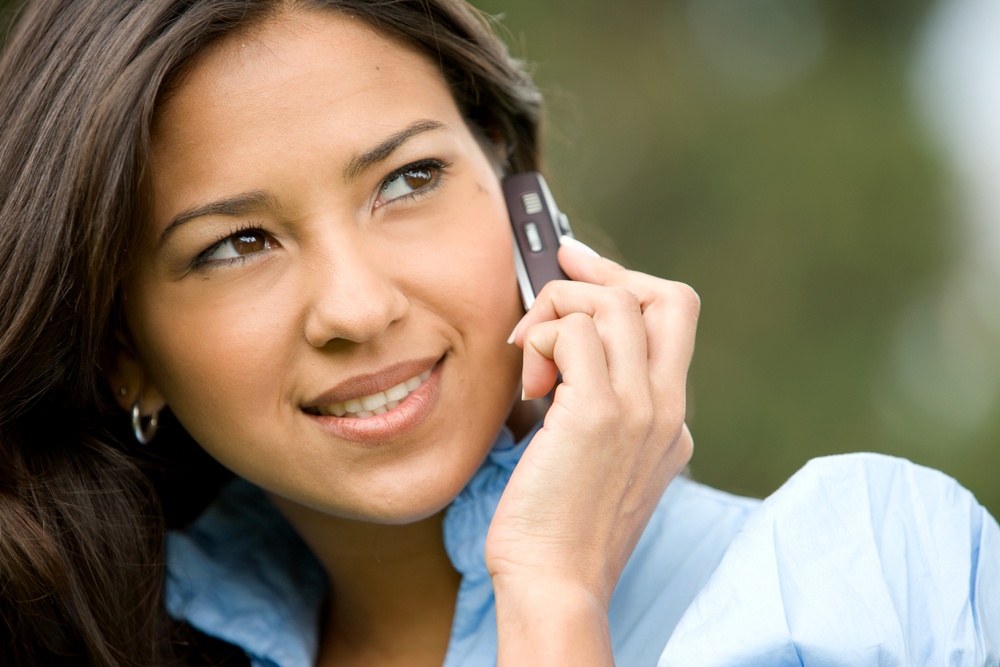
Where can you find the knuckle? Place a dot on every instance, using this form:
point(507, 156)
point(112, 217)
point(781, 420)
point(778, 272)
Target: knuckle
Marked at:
point(688, 299)
point(550, 290)
point(578, 322)
point(623, 299)
point(532, 334)
point(675, 416)
point(639, 414)
point(684, 447)
point(670, 420)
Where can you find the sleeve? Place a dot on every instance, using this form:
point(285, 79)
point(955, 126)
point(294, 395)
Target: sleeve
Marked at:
point(859, 560)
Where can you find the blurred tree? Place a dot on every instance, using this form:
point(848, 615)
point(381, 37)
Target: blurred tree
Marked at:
point(802, 202)
point(772, 160)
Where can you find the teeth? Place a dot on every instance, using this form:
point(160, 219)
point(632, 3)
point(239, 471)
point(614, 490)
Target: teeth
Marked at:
point(375, 404)
point(397, 393)
point(373, 401)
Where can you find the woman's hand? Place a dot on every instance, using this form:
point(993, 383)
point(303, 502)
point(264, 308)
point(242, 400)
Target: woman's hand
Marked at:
point(591, 477)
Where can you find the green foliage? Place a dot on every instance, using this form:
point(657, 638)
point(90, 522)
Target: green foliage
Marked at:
point(809, 218)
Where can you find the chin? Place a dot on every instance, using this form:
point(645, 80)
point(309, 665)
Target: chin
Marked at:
point(399, 510)
point(400, 502)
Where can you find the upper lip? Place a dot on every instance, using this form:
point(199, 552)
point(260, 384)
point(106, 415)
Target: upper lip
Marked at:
point(367, 384)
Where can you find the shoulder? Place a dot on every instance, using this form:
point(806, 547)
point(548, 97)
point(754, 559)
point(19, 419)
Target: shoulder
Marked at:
point(859, 559)
point(866, 481)
point(691, 518)
point(682, 545)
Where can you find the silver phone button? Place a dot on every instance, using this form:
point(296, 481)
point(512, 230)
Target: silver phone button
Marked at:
point(534, 240)
point(532, 203)
point(564, 225)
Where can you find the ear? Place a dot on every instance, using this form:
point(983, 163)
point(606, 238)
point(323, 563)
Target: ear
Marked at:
point(129, 381)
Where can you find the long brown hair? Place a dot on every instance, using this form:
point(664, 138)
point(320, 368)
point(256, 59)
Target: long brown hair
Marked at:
point(81, 519)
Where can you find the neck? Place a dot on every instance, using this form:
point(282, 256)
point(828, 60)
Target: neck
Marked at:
point(392, 588)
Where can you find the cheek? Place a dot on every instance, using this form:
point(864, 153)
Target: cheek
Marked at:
point(481, 274)
point(479, 258)
point(485, 289)
point(209, 357)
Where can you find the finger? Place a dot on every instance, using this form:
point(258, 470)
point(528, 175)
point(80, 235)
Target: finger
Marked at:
point(670, 313)
point(583, 264)
point(569, 247)
point(572, 345)
point(617, 316)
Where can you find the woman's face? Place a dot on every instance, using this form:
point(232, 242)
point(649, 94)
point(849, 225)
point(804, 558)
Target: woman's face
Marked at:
point(326, 229)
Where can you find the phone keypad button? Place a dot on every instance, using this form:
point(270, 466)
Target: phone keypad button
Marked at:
point(534, 239)
point(532, 203)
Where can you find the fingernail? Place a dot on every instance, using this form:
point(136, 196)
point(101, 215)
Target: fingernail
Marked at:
point(577, 245)
point(523, 396)
point(510, 339)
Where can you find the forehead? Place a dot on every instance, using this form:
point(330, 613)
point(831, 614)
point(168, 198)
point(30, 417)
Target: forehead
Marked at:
point(298, 60)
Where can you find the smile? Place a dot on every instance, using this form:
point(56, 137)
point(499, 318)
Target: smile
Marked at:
point(364, 407)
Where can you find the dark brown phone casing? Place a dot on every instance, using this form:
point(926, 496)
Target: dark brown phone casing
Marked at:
point(537, 225)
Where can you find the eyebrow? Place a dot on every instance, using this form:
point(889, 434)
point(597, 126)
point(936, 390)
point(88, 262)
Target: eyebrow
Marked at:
point(255, 200)
point(361, 163)
point(237, 205)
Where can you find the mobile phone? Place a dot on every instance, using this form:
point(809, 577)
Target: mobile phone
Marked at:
point(537, 223)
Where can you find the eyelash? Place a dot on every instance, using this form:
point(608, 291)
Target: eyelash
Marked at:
point(202, 261)
point(435, 165)
point(438, 167)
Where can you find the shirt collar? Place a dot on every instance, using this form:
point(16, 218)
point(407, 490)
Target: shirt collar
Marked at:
point(242, 574)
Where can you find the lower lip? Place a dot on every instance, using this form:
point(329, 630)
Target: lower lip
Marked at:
point(396, 422)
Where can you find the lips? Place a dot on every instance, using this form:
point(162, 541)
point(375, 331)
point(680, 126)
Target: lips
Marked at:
point(375, 404)
point(397, 398)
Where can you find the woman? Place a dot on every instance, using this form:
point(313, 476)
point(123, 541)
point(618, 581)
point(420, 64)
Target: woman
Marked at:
point(275, 229)
point(246, 226)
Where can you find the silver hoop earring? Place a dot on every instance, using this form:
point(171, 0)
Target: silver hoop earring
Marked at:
point(144, 434)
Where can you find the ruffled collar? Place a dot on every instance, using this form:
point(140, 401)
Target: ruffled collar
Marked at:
point(242, 574)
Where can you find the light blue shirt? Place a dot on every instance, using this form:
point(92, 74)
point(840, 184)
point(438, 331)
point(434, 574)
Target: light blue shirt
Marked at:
point(857, 560)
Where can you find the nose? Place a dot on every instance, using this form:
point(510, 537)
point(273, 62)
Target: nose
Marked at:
point(353, 294)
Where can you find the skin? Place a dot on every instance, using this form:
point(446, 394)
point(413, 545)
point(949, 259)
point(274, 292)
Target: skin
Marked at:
point(351, 272)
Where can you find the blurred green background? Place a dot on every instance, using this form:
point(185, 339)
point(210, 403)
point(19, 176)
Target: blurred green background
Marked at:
point(771, 153)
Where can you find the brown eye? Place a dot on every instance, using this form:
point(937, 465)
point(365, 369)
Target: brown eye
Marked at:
point(418, 178)
point(245, 244)
point(410, 180)
point(238, 246)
